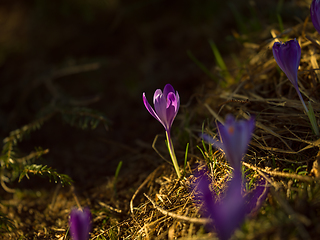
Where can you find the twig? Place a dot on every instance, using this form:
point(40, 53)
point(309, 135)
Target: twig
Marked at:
point(75, 197)
point(281, 174)
point(154, 148)
point(313, 41)
point(138, 190)
point(176, 216)
point(141, 186)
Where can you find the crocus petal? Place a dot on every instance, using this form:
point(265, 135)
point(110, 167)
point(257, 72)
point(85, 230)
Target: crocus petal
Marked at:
point(167, 89)
point(234, 139)
point(230, 142)
point(244, 130)
point(156, 95)
point(287, 56)
point(256, 197)
point(160, 106)
point(172, 107)
point(80, 224)
point(150, 109)
point(315, 14)
point(229, 213)
point(212, 141)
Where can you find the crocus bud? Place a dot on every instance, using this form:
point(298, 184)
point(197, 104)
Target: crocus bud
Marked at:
point(166, 106)
point(287, 56)
point(234, 139)
point(80, 224)
point(315, 14)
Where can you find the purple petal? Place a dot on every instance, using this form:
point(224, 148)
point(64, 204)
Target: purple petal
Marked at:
point(244, 130)
point(212, 141)
point(229, 213)
point(167, 89)
point(234, 139)
point(156, 95)
point(172, 108)
point(257, 196)
point(150, 109)
point(160, 106)
point(287, 56)
point(209, 202)
point(315, 14)
point(230, 142)
point(80, 224)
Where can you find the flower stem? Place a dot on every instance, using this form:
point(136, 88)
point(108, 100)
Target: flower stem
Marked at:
point(310, 114)
point(172, 154)
point(302, 101)
point(313, 120)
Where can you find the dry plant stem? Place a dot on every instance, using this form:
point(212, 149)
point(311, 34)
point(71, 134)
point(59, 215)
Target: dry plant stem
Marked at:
point(281, 174)
point(172, 154)
point(141, 186)
point(75, 197)
point(313, 42)
point(107, 230)
point(55, 194)
point(179, 217)
point(4, 186)
point(154, 148)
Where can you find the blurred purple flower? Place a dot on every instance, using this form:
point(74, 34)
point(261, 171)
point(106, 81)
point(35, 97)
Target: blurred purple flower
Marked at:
point(234, 139)
point(315, 14)
point(80, 224)
point(166, 106)
point(228, 213)
point(287, 56)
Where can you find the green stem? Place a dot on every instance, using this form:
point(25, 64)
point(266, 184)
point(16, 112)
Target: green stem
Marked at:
point(302, 101)
point(310, 114)
point(172, 154)
point(313, 120)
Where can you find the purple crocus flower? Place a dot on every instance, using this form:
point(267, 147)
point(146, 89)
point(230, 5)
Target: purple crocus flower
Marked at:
point(228, 213)
point(287, 56)
point(166, 106)
point(80, 224)
point(315, 14)
point(234, 139)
